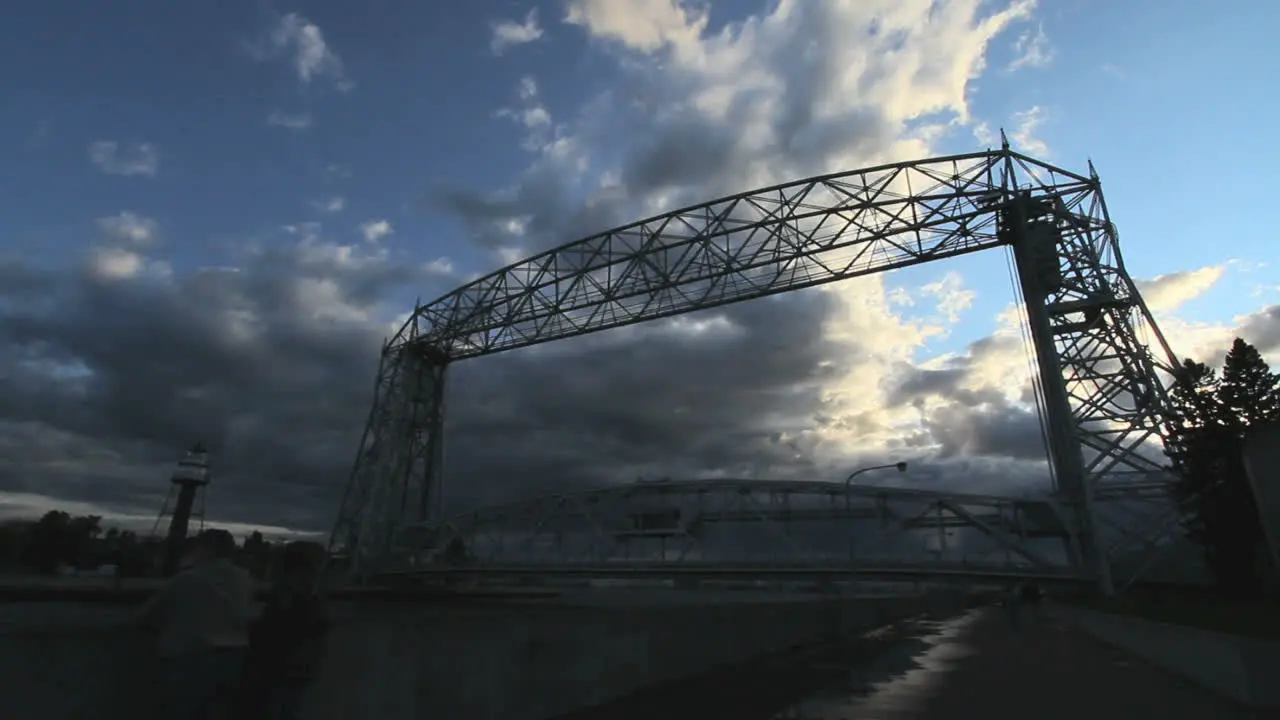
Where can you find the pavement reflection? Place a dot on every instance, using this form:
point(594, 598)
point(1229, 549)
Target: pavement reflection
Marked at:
point(879, 674)
point(971, 665)
point(912, 659)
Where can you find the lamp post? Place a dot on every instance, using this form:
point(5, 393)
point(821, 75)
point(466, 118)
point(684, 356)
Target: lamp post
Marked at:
point(899, 466)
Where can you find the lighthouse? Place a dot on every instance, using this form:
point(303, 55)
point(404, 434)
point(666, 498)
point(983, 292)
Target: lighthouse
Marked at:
point(184, 502)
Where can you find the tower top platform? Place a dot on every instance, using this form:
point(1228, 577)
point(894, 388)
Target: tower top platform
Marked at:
point(193, 468)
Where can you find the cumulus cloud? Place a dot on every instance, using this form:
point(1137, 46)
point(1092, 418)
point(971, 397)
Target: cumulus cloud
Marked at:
point(114, 263)
point(979, 403)
point(1202, 340)
point(508, 33)
point(113, 158)
point(953, 297)
point(331, 205)
point(129, 228)
point(108, 370)
point(336, 171)
point(302, 43)
point(645, 25)
point(1032, 50)
point(778, 96)
point(375, 230)
point(289, 121)
point(1165, 293)
point(1262, 328)
point(1023, 135)
point(531, 115)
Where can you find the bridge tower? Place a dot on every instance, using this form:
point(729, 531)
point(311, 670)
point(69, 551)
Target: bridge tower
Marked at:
point(184, 503)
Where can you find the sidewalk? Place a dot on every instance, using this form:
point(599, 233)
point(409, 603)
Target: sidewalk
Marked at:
point(1046, 671)
point(970, 667)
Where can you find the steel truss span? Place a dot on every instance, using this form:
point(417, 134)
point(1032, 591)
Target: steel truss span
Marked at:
point(731, 528)
point(1100, 386)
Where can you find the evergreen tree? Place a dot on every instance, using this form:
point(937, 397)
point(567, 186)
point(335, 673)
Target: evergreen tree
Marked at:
point(1250, 392)
point(1194, 452)
point(1219, 508)
point(1195, 395)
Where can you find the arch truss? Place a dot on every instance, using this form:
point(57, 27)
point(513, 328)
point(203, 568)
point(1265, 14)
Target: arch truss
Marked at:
point(1099, 383)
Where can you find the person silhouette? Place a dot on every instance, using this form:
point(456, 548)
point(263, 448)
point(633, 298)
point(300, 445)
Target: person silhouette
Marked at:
point(1030, 597)
point(287, 641)
point(201, 618)
point(1013, 605)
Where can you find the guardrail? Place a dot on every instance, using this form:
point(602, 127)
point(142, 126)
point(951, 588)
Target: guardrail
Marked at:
point(712, 571)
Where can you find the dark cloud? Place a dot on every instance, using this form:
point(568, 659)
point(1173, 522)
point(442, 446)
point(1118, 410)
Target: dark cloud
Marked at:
point(107, 379)
point(542, 211)
point(269, 364)
point(973, 422)
point(683, 153)
point(665, 398)
point(104, 380)
point(916, 383)
point(997, 429)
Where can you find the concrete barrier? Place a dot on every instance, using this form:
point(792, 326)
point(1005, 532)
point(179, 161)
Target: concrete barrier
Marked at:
point(1241, 668)
point(522, 660)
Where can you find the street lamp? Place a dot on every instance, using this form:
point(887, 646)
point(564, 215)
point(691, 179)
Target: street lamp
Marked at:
point(900, 466)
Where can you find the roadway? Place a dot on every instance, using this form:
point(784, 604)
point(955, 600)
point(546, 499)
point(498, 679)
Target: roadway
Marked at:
point(967, 667)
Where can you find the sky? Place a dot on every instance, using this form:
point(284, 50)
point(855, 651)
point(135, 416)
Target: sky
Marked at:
point(214, 213)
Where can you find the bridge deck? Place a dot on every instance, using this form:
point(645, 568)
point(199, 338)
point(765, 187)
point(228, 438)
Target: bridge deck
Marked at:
point(977, 669)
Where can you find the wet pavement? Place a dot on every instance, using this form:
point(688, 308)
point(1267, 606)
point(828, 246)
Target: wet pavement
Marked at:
point(974, 665)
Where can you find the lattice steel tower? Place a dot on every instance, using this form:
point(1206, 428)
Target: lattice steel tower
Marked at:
point(1099, 387)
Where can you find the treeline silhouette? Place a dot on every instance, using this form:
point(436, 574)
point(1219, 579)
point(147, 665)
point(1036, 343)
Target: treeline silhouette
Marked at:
point(1213, 412)
point(59, 542)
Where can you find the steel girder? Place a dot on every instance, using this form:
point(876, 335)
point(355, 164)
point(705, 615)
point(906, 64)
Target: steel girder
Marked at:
point(1101, 395)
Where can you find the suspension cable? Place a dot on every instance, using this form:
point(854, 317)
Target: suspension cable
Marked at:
point(1028, 352)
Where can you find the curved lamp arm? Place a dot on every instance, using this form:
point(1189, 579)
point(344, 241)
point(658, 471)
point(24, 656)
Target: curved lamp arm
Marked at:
point(899, 466)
